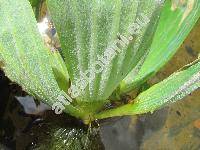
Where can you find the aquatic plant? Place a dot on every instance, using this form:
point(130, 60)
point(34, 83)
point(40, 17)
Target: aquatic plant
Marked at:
point(109, 48)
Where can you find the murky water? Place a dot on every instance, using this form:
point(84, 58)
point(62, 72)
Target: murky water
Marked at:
point(22, 131)
point(176, 127)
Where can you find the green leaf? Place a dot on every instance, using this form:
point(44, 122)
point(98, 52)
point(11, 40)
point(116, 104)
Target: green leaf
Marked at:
point(87, 28)
point(26, 59)
point(34, 3)
point(60, 71)
point(174, 26)
point(168, 91)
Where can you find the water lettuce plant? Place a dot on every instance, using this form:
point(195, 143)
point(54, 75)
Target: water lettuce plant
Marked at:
point(118, 45)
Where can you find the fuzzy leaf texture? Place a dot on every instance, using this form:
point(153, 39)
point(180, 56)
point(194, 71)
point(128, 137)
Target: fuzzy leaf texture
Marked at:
point(161, 94)
point(88, 28)
point(177, 20)
point(25, 58)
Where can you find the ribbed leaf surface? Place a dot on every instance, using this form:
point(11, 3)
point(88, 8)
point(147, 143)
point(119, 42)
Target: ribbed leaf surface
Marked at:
point(177, 20)
point(168, 91)
point(87, 28)
point(26, 60)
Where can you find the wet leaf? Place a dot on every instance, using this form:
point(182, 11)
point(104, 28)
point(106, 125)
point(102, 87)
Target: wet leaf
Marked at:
point(168, 91)
point(177, 20)
point(60, 71)
point(26, 59)
point(87, 31)
point(97, 54)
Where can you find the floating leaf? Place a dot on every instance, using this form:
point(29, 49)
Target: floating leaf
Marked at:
point(101, 42)
point(177, 20)
point(160, 94)
point(89, 29)
point(26, 59)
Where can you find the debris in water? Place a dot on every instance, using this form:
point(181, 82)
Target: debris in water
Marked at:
point(197, 124)
point(189, 4)
point(30, 107)
point(48, 33)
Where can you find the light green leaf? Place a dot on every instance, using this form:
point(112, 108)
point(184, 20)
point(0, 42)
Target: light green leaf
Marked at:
point(26, 59)
point(175, 24)
point(87, 28)
point(60, 71)
point(168, 91)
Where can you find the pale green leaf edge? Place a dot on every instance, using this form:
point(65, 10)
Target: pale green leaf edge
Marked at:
point(160, 53)
point(172, 89)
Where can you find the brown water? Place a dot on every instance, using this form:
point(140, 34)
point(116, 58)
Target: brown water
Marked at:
point(176, 127)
